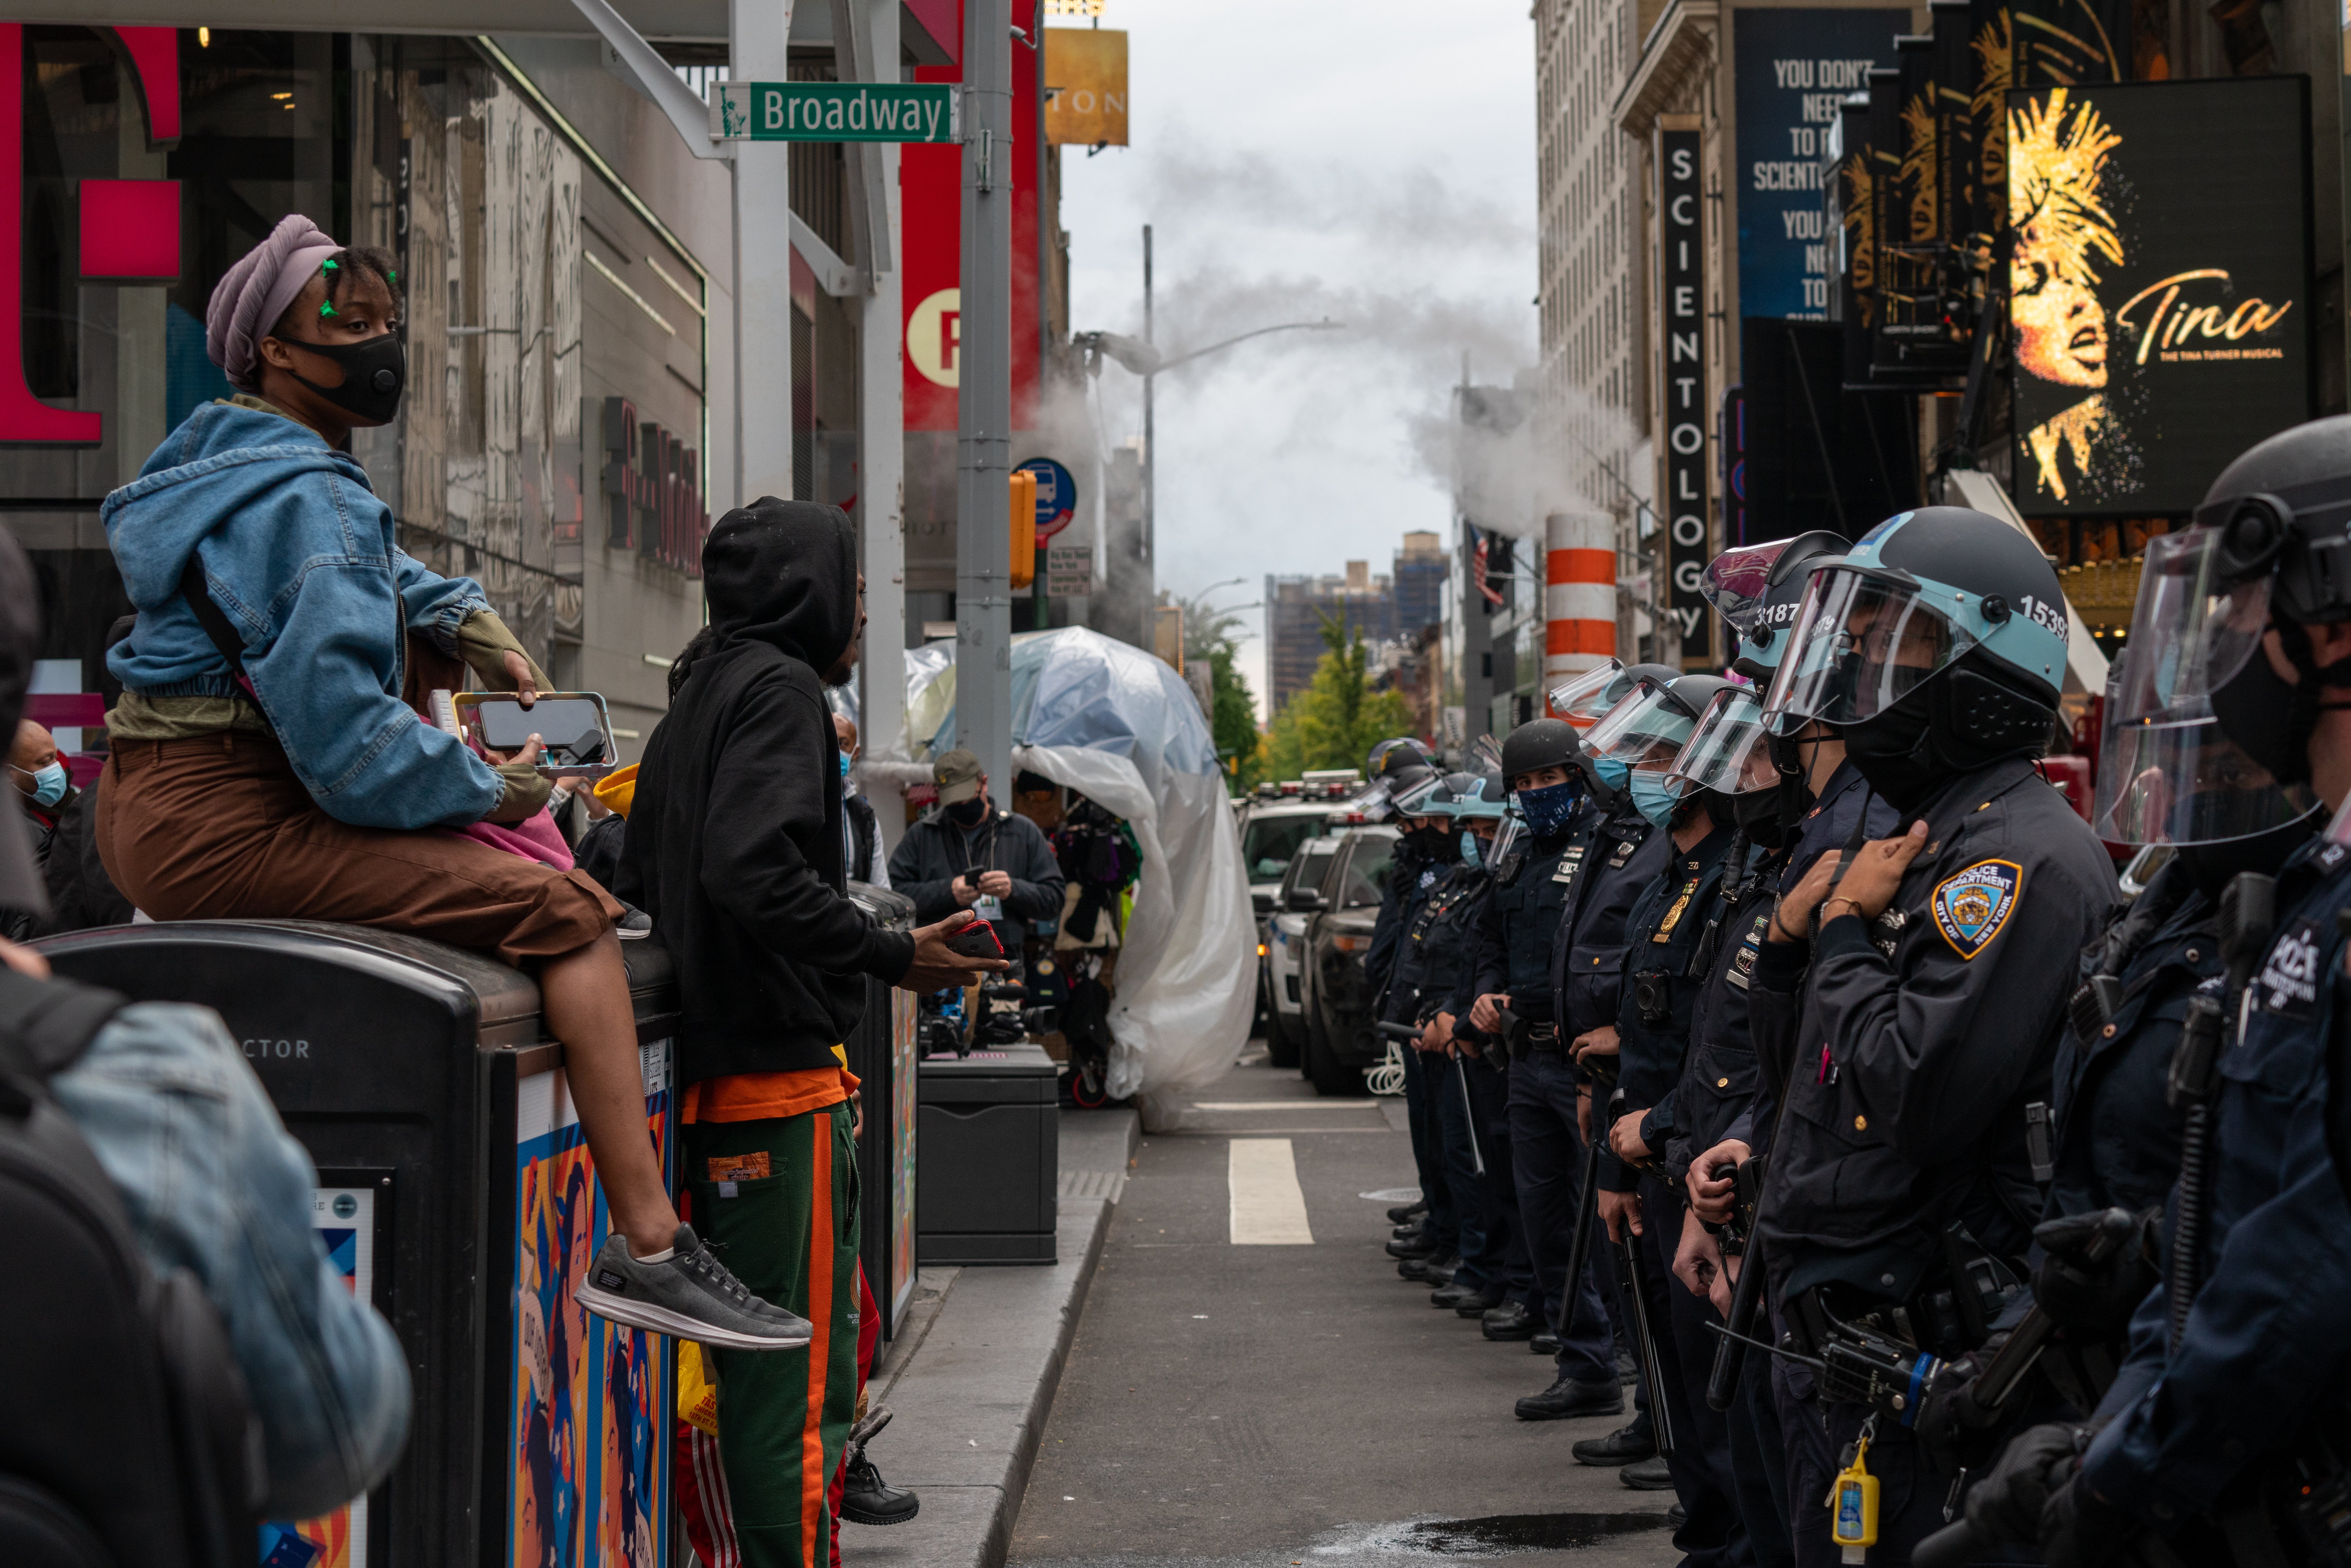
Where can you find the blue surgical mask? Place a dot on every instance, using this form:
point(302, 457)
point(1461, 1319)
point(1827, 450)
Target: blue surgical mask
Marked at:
point(1469, 851)
point(1612, 772)
point(844, 765)
point(1549, 809)
point(1653, 799)
point(48, 783)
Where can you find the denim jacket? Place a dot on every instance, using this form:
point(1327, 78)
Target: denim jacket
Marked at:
point(302, 558)
point(212, 1183)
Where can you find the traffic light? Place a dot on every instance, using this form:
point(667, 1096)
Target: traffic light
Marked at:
point(1024, 527)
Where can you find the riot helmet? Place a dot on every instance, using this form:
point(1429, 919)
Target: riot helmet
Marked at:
point(1636, 745)
point(1730, 754)
point(1934, 646)
point(1584, 699)
point(2204, 741)
point(1535, 745)
point(1757, 588)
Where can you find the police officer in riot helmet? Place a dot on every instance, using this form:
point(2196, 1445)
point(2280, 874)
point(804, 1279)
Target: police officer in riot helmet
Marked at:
point(1537, 881)
point(1401, 771)
point(2231, 720)
point(1898, 1210)
point(1669, 939)
point(1791, 798)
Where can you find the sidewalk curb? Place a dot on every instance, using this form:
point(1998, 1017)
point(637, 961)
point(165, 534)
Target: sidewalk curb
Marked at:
point(972, 1396)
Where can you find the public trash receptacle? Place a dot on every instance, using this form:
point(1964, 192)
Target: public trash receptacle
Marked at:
point(456, 1192)
point(881, 1054)
point(989, 1131)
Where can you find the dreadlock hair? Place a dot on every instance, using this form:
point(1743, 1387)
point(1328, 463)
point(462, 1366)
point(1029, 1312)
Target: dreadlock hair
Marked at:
point(339, 270)
point(702, 642)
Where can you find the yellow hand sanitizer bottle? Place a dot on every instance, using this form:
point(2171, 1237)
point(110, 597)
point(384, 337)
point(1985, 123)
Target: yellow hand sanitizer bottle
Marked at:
point(1852, 1502)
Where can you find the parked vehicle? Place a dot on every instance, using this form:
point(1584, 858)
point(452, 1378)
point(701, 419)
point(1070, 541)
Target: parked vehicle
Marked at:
point(1285, 945)
point(1274, 823)
point(1335, 999)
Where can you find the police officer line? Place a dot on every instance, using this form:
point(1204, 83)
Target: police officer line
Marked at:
point(1925, 1245)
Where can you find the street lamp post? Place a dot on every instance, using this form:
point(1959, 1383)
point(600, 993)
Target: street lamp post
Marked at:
point(1140, 357)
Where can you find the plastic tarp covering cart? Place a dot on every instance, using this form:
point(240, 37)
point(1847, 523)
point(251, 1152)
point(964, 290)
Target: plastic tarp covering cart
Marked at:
point(1121, 728)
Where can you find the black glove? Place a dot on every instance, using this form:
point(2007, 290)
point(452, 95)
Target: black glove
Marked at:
point(2096, 1295)
point(2079, 1530)
point(1952, 1432)
point(2009, 1503)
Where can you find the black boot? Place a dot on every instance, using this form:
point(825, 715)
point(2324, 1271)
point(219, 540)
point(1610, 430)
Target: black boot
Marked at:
point(1571, 1397)
point(865, 1497)
point(1510, 1321)
point(1629, 1444)
point(1404, 1211)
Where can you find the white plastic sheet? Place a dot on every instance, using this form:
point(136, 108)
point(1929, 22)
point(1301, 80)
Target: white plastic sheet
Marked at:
point(1119, 726)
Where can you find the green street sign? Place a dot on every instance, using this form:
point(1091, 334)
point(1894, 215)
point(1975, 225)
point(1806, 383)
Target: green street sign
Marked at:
point(832, 112)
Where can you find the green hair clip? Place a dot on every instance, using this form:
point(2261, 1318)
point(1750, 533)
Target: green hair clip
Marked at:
point(328, 309)
point(391, 277)
point(329, 264)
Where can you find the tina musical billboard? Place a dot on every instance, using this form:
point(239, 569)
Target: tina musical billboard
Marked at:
point(2159, 302)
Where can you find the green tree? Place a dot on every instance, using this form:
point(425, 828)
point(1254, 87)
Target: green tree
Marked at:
point(1338, 718)
point(1213, 636)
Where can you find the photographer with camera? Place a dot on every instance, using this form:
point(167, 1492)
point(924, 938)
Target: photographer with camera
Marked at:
point(2223, 1433)
point(966, 854)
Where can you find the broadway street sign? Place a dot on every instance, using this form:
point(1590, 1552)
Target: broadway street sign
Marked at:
point(832, 112)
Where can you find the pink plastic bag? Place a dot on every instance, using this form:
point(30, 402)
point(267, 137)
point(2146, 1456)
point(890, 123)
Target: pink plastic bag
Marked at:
point(534, 838)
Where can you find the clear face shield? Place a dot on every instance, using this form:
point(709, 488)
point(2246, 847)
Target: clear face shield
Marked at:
point(1738, 583)
point(1726, 751)
point(1584, 699)
point(1862, 642)
point(2167, 772)
point(1415, 799)
point(1509, 846)
point(1642, 733)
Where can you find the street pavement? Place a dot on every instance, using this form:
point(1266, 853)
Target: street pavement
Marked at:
point(1287, 1400)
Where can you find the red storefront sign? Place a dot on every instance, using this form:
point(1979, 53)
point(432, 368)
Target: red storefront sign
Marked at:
point(931, 193)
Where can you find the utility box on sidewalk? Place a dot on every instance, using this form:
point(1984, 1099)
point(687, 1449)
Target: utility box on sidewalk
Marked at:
point(881, 1053)
point(456, 1192)
point(990, 1134)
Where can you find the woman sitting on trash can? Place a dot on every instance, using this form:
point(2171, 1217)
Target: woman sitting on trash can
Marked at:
point(267, 759)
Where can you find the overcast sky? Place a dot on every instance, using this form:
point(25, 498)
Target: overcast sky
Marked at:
point(1372, 162)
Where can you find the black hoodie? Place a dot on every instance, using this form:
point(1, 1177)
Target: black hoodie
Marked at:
point(734, 842)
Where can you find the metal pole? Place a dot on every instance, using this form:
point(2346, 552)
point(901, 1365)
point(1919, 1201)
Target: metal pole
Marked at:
point(761, 31)
point(882, 490)
point(1150, 474)
point(984, 400)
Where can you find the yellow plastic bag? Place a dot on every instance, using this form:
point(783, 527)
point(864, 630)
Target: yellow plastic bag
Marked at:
point(697, 1393)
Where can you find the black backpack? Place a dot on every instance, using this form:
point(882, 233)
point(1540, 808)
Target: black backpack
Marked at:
point(125, 1434)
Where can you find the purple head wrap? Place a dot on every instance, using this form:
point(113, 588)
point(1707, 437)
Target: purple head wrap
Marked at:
point(246, 305)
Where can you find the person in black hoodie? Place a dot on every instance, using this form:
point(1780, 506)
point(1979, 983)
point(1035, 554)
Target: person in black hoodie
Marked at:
point(735, 847)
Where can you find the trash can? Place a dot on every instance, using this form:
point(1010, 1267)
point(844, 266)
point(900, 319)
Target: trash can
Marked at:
point(456, 1192)
point(881, 1054)
point(989, 1128)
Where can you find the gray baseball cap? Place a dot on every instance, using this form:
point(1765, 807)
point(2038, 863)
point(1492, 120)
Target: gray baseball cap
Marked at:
point(958, 776)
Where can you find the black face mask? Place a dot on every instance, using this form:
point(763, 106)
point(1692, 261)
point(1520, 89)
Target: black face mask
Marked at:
point(374, 374)
point(1431, 845)
point(2262, 714)
point(2212, 867)
point(1760, 815)
point(1892, 755)
point(969, 813)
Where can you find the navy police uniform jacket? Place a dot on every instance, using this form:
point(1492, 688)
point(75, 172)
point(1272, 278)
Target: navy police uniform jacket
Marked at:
point(1428, 956)
point(2118, 1133)
point(1718, 1079)
point(1669, 924)
point(1772, 1007)
point(1511, 949)
point(1585, 951)
point(2265, 1347)
point(1410, 881)
point(1922, 1037)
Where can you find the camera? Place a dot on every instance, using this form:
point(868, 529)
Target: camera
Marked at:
point(1653, 996)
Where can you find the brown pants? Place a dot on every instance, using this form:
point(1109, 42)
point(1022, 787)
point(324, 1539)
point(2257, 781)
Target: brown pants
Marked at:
point(219, 827)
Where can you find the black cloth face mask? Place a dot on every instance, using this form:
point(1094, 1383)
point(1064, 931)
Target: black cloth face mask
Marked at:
point(2265, 716)
point(969, 813)
point(1759, 814)
point(1431, 845)
point(375, 372)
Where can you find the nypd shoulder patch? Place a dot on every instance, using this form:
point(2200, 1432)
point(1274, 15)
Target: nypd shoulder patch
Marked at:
point(1971, 907)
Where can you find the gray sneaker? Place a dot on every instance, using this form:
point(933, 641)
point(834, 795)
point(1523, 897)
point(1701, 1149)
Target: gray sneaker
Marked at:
point(689, 1294)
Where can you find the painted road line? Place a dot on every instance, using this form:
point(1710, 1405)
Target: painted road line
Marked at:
point(1269, 1209)
point(1283, 1105)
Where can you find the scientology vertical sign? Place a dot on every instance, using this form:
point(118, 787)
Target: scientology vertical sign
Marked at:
point(1681, 294)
